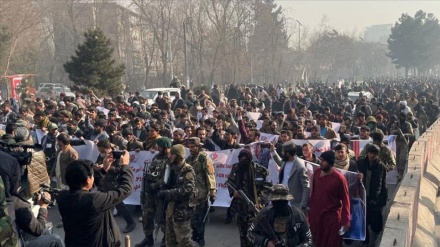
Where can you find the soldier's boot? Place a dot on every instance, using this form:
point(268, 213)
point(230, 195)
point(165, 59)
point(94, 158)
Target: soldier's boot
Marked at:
point(147, 242)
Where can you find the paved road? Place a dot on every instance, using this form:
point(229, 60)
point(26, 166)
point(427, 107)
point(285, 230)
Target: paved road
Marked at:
point(217, 233)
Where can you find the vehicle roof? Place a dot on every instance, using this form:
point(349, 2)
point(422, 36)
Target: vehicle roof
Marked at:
point(162, 89)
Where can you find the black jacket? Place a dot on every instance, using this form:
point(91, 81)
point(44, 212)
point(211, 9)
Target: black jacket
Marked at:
point(298, 231)
point(25, 220)
point(87, 216)
point(378, 193)
point(10, 173)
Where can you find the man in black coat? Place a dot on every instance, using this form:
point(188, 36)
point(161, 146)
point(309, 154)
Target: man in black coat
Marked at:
point(374, 178)
point(86, 215)
point(10, 173)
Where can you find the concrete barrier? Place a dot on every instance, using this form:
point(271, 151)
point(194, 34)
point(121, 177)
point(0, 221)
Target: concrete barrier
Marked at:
point(411, 220)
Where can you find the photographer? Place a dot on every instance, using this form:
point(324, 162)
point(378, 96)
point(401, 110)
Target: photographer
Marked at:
point(87, 216)
point(108, 180)
point(33, 230)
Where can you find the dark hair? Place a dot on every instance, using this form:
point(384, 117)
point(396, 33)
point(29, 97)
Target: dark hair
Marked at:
point(200, 128)
point(104, 143)
point(341, 146)
point(377, 136)
point(257, 132)
point(100, 123)
point(63, 138)
point(287, 132)
point(10, 127)
point(77, 173)
point(79, 113)
point(40, 114)
point(156, 127)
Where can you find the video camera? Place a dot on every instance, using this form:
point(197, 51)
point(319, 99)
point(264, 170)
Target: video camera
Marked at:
point(53, 192)
point(18, 151)
point(117, 154)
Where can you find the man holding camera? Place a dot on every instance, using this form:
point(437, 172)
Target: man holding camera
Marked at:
point(33, 231)
point(87, 215)
point(107, 180)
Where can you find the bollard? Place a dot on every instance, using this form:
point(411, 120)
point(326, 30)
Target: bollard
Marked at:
point(127, 241)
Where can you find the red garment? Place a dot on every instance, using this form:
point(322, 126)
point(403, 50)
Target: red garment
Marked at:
point(329, 208)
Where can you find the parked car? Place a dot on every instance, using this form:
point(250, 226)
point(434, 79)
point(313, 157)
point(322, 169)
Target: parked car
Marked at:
point(53, 85)
point(54, 92)
point(151, 94)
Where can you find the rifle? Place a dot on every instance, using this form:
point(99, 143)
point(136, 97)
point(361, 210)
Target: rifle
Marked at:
point(161, 204)
point(264, 223)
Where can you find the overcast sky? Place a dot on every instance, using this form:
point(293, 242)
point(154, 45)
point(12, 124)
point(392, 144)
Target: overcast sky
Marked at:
point(347, 15)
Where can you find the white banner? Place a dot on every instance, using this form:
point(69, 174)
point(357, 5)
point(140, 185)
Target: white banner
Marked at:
point(264, 137)
point(254, 115)
point(223, 161)
point(336, 126)
point(39, 134)
point(88, 151)
point(102, 109)
point(319, 146)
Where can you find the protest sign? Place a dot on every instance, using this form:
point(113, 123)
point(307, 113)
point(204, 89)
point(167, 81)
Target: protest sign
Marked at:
point(254, 115)
point(138, 162)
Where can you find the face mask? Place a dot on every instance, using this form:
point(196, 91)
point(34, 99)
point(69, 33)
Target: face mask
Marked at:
point(160, 96)
point(281, 207)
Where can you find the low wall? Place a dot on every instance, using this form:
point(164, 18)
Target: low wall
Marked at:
point(411, 220)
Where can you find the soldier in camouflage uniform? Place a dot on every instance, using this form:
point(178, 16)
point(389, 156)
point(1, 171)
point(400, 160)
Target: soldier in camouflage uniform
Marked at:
point(152, 182)
point(206, 186)
point(251, 178)
point(182, 199)
point(8, 238)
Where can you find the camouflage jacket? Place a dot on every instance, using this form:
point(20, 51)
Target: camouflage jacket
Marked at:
point(253, 183)
point(205, 177)
point(182, 193)
point(8, 237)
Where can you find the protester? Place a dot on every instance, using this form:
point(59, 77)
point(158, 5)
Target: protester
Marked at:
point(329, 203)
point(252, 116)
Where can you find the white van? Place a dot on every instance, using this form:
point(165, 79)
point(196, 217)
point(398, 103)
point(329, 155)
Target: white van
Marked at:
point(353, 96)
point(151, 94)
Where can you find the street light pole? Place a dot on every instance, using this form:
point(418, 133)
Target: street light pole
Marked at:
point(299, 34)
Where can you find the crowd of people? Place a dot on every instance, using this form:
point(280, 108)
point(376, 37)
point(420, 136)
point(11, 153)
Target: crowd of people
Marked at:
point(177, 189)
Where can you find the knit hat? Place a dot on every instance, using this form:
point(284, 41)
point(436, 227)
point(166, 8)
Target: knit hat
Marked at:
point(178, 150)
point(21, 134)
point(245, 152)
point(328, 156)
point(164, 142)
point(289, 145)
